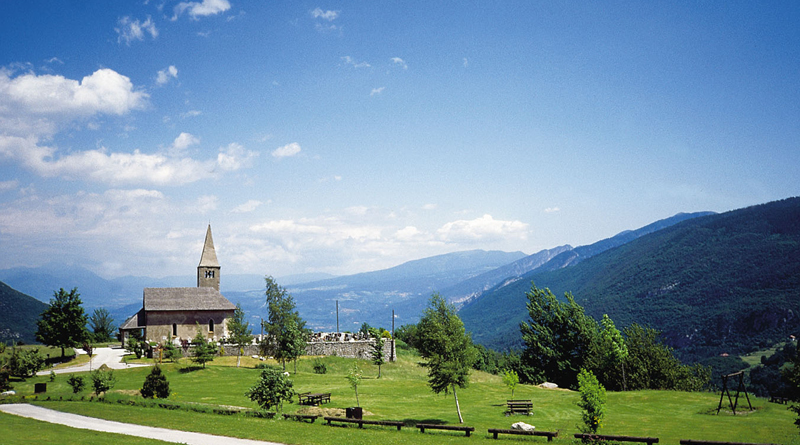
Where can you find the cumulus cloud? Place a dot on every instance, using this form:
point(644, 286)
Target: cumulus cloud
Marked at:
point(375, 91)
point(166, 74)
point(352, 62)
point(8, 185)
point(234, 156)
point(182, 143)
point(552, 210)
point(130, 30)
point(330, 16)
point(247, 207)
point(103, 166)
point(201, 9)
point(400, 62)
point(287, 150)
point(485, 228)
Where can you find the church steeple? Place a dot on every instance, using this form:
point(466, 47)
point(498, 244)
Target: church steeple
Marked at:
point(208, 269)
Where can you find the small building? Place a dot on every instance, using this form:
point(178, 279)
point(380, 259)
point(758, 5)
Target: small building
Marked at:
point(174, 313)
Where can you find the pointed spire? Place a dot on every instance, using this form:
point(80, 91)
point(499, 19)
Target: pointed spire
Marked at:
point(209, 256)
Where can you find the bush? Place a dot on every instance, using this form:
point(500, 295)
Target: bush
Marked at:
point(5, 385)
point(102, 381)
point(272, 389)
point(155, 384)
point(593, 397)
point(320, 367)
point(76, 382)
point(25, 363)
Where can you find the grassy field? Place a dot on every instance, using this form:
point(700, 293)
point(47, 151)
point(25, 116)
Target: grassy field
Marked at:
point(402, 394)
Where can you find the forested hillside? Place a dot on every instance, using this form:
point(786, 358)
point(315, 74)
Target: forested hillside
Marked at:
point(724, 283)
point(18, 315)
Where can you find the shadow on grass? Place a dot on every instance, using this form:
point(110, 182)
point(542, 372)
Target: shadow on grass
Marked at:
point(188, 369)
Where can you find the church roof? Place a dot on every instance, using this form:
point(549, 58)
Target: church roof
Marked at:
point(185, 299)
point(209, 256)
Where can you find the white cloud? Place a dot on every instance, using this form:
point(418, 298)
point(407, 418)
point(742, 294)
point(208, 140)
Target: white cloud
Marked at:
point(166, 74)
point(399, 61)
point(181, 143)
point(102, 166)
point(330, 16)
point(201, 9)
point(287, 150)
point(37, 103)
point(375, 91)
point(129, 30)
point(352, 62)
point(8, 185)
point(191, 113)
point(247, 207)
point(485, 228)
point(552, 210)
point(429, 207)
point(465, 62)
point(234, 156)
point(206, 203)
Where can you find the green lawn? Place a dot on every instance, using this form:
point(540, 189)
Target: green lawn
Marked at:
point(402, 394)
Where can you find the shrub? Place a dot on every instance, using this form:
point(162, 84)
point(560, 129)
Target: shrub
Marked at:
point(102, 381)
point(272, 389)
point(320, 367)
point(25, 363)
point(76, 382)
point(593, 397)
point(155, 384)
point(5, 385)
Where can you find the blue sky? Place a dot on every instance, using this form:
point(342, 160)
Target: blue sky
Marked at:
point(343, 137)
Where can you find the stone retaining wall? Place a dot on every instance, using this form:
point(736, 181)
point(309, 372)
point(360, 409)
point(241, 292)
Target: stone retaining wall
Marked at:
point(350, 349)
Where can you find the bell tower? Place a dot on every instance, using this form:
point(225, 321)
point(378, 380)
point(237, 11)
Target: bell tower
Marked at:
point(208, 269)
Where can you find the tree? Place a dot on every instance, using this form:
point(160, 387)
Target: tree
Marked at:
point(511, 379)
point(203, 349)
point(63, 323)
point(558, 338)
point(593, 399)
point(102, 325)
point(155, 384)
point(239, 331)
point(613, 351)
point(76, 382)
point(25, 362)
point(102, 381)
point(286, 333)
point(354, 378)
point(272, 389)
point(378, 357)
point(170, 352)
point(446, 346)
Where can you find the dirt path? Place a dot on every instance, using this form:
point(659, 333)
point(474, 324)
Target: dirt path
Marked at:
point(111, 357)
point(91, 423)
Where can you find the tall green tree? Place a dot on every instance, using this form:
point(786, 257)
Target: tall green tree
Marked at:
point(272, 389)
point(613, 352)
point(63, 323)
point(445, 344)
point(559, 338)
point(593, 399)
point(286, 334)
point(102, 325)
point(240, 333)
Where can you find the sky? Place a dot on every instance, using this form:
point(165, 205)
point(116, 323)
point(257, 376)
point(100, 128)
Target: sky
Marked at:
point(343, 137)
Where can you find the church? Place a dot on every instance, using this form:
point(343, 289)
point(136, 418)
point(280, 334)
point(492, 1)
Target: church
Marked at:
point(174, 313)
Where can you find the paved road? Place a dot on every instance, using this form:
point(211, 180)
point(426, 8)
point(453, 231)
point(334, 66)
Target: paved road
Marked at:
point(91, 423)
point(111, 357)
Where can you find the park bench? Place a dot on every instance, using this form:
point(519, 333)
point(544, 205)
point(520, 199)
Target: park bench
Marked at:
point(315, 399)
point(519, 406)
point(781, 400)
point(301, 417)
point(362, 422)
point(550, 434)
point(709, 442)
point(596, 437)
point(432, 426)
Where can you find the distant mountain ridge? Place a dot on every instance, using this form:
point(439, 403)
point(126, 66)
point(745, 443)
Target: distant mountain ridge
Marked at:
point(713, 284)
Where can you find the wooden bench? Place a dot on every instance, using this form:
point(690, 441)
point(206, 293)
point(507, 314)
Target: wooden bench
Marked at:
point(362, 422)
point(301, 417)
point(595, 437)
point(709, 442)
point(432, 426)
point(550, 434)
point(519, 406)
point(781, 400)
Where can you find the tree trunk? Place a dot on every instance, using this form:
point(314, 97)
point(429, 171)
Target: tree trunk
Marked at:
point(458, 407)
point(239, 357)
point(357, 402)
point(624, 383)
point(379, 371)
point(295, 365)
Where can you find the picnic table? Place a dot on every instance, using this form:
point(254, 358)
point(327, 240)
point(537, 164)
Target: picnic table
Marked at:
point(315, 399)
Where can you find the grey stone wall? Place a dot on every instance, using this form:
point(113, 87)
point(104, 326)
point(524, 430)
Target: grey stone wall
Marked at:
point(350, 349)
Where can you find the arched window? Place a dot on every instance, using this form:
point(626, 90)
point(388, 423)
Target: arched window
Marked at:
point(210, 325)
point(174, 330)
